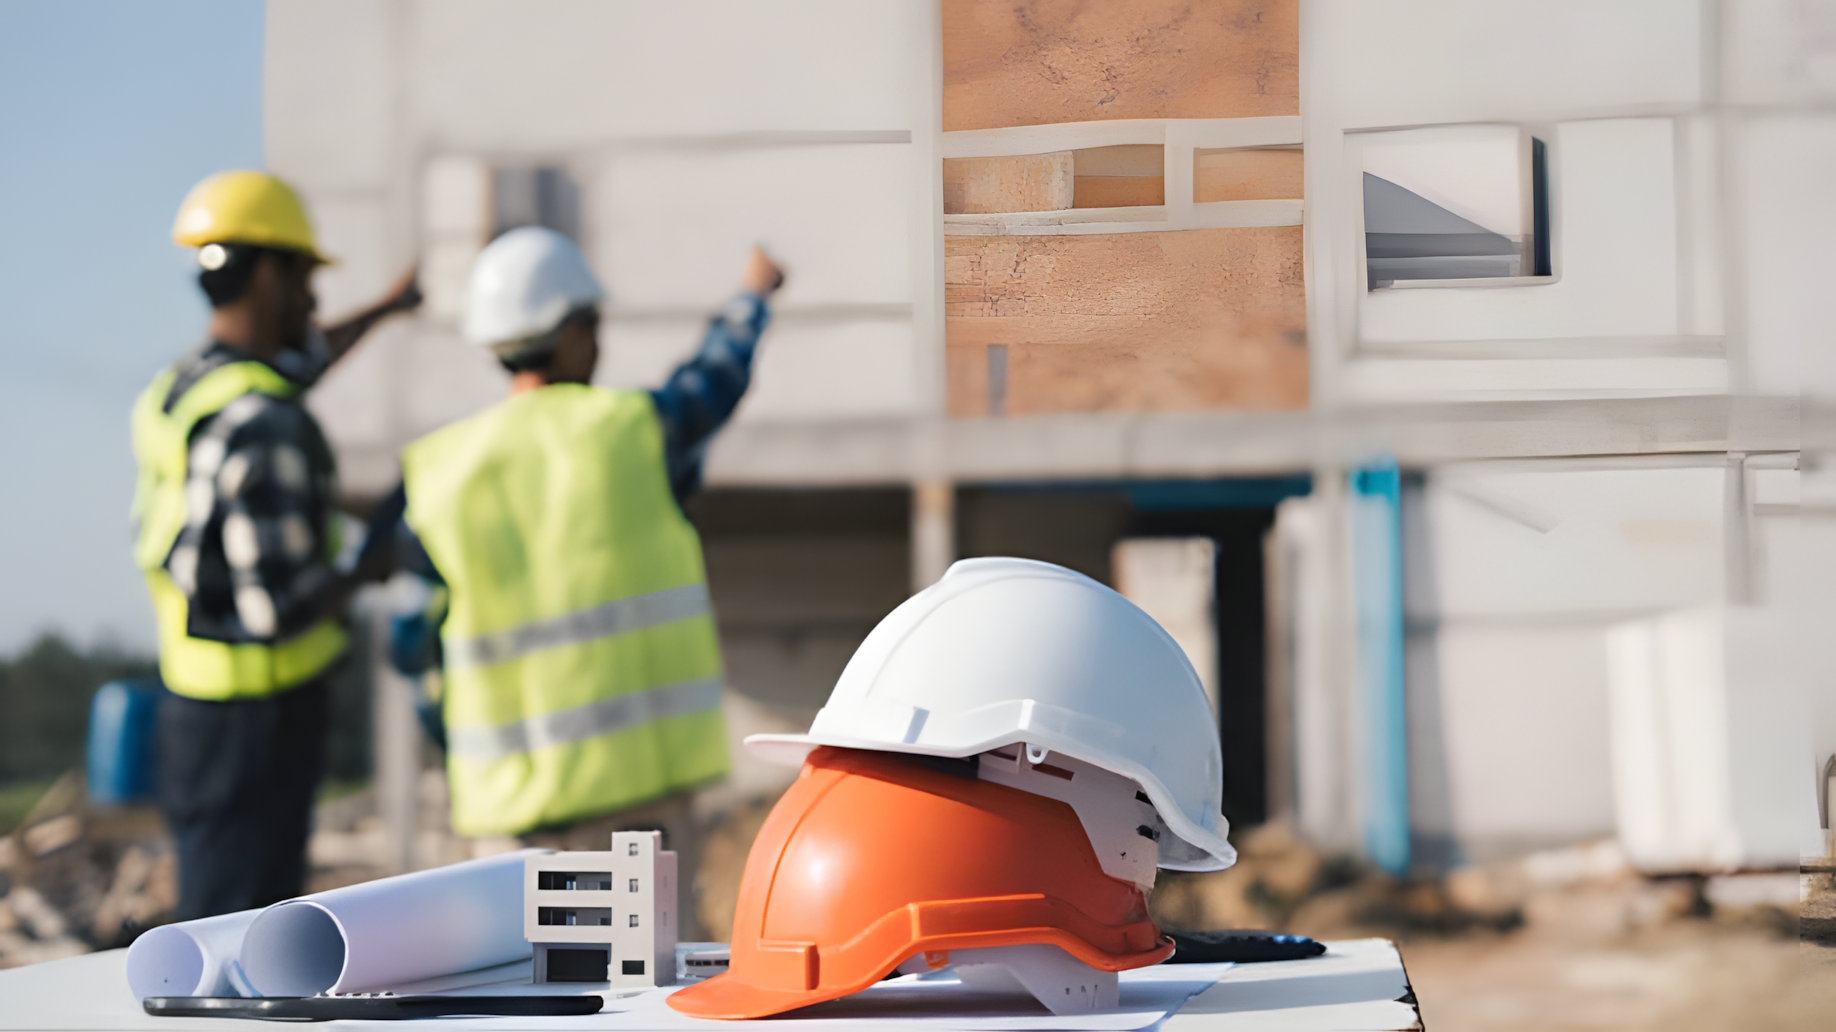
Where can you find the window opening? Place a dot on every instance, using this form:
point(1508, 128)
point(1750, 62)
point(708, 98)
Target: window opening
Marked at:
point(1539, 200)
point(534, 196)
point(1455, 203)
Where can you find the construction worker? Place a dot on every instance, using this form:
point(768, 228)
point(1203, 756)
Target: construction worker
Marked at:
point(236, 537)
point(582, 676)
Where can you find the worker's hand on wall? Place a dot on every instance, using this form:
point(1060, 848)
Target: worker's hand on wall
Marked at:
point(762, 275)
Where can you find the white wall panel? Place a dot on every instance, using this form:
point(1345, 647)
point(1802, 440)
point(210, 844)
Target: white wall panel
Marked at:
point(330, 89)
point(670, 229)
point(850, 370)
point(353, 229)
point(1709, 752)
point(566, 74)
point(804, 370)
point(1565, 543)
point(1785, 162)
point(1524, 732)
point(1421, 62)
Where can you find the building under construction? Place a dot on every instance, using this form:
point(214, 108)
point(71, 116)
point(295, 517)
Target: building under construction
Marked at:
point(1430, 370)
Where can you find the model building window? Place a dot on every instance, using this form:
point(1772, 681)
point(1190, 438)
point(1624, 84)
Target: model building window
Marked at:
point(577, 881)
point(1454, 203)
point(534, 196)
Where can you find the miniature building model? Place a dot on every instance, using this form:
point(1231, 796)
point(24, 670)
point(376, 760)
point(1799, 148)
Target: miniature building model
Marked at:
point(604, 917)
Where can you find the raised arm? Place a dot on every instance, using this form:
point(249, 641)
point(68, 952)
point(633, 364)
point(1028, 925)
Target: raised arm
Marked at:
point(404, 295)
point(702, 393)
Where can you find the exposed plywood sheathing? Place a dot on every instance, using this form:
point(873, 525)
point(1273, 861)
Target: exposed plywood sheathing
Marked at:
point(1117, 177)
point(1045, 61)
point(1119, 191)
point(1024, 182)
point(1134, 322)
point(1246, 175)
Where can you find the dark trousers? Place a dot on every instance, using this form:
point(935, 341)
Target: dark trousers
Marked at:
point(236, 786)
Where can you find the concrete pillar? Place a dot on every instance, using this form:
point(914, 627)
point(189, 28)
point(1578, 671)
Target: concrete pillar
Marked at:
point(397, 752)
point(1174, 580)
point(933, 531)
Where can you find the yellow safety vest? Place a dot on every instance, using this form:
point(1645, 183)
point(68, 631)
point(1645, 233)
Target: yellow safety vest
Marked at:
point(199, 667)
point(582, 666)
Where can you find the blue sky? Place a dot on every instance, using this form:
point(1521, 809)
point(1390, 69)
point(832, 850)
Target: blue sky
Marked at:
point(109, 112)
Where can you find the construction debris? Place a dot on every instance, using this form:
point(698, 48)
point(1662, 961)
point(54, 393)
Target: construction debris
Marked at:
point(76, 878)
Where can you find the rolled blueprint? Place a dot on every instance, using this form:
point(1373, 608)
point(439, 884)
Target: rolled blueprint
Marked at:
point(193, 958)
point(414, 926)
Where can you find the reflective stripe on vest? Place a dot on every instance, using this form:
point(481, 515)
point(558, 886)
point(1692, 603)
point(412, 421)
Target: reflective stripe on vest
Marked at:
point(599, 717)
point(200, 667)
point(582, 665)
point(619, 616)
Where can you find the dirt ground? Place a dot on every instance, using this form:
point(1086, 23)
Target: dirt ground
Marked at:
point(1567, 940)
point(1678, 977)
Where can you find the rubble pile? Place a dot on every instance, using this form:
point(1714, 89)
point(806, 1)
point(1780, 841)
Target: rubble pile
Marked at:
point(76, 878)
point(1590, 891)
point(1817, 906)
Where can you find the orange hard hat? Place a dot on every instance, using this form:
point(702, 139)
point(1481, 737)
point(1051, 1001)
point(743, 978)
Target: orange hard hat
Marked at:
point(874, 857)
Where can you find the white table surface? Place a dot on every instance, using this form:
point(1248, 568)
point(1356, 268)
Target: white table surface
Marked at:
point(1357, 986)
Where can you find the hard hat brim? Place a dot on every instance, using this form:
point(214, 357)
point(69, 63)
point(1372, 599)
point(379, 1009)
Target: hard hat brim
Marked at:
point(791, 750)
point(726, 998)
point(318, 257)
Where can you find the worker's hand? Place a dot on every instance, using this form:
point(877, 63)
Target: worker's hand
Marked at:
point(762, 275)
point(404, 294)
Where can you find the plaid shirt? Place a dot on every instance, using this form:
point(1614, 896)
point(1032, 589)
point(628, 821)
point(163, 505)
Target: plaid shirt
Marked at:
point(252, 558)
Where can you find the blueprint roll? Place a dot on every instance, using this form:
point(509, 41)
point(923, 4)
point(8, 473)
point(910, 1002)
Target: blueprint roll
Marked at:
point(383, 933)
point(192, 958)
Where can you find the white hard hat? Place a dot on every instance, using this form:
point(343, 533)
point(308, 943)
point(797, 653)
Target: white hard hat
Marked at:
point(1011, 651)
point(524, 284)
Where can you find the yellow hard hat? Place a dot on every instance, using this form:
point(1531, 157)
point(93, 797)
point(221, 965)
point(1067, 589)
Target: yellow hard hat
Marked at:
point(245, 208)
